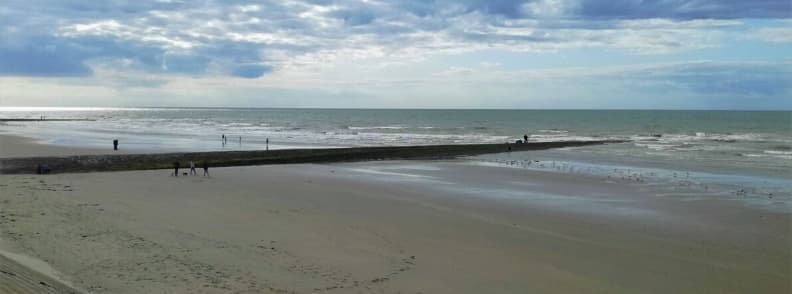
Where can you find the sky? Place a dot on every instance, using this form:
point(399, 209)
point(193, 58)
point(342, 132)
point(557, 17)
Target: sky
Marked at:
point(535, 54)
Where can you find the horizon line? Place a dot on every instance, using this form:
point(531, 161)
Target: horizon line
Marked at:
point(33, 108)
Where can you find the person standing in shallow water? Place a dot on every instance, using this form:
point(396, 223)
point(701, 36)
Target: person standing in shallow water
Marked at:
point(115, 144)
point(525, 138)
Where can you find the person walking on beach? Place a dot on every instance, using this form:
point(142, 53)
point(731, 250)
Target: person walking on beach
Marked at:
point(192, 169)
point(206, 169)
point(176, 168)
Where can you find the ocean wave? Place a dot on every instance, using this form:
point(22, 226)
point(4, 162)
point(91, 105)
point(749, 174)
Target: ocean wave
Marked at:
point(765, 154)
point(553, 131)
point(727, 138)
point(657, 147)
point(392, 127)
point(559, 137)
point(750, 144)
point(686, 141)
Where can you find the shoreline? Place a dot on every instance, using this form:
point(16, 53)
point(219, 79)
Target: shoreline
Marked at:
point(45, 119)
point(20, 146)
point(108, 162)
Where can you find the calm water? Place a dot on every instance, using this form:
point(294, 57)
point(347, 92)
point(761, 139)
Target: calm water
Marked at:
point(736, 142)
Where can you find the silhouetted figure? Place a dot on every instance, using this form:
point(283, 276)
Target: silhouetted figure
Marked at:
point(525, 138)
point(240, 140)
point(223, 139)
point(176, 168)
point(192, 168)
point(115, 144)
point(42, 169)
point(267, 145)
point(206, 168)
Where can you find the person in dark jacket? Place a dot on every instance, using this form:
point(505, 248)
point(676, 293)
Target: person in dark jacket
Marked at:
point(206, 168)
point(176, 168)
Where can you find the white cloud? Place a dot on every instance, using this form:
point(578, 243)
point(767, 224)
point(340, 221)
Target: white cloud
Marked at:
point(550, 8)
point(773, 35)
point(289, 33)
point(178, 47)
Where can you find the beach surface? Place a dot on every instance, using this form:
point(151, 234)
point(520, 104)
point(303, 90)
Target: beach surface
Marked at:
point(12, 146)
point(385, 227)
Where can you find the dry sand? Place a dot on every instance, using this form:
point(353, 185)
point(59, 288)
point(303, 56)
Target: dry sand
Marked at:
point(28, 276)
point(386, 227)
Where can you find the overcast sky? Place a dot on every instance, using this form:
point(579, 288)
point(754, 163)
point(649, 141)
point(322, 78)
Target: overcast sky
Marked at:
point(669, 54)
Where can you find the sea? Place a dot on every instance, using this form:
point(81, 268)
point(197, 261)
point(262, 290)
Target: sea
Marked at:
point(745, 149)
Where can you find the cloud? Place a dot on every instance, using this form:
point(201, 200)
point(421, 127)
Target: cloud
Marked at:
point(43, 61)
point(717, 79)
point(673, 85)
point(773, 35)
point(354, 17)
point(685, 9)
point(457, 71)
point(251, 71)
point(205, 38)
point(745, 79)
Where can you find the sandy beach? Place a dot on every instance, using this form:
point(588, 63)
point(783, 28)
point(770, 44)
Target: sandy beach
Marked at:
point(396, 147)
point(387, 227)
point(12, 146)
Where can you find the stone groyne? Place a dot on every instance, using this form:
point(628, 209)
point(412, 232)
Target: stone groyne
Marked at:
point(96, 163)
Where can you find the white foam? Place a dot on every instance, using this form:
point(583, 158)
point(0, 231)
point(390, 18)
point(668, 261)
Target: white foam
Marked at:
point(772, 155)
point(392, 127)
point(778, 152)
point(387, 173)
point(657, 147)
point(553, 131)
point(557, 138)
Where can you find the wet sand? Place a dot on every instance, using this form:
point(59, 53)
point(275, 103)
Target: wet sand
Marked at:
point(12, 146)
point(362, 228)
